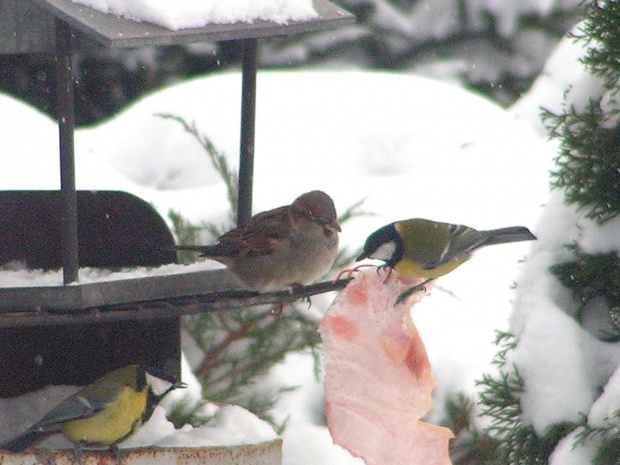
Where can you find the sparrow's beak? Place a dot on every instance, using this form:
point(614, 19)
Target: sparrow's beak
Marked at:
point(333, 226)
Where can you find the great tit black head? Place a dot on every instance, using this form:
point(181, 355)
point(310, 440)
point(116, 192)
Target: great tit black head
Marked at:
point(384, 244)
point(159, 383)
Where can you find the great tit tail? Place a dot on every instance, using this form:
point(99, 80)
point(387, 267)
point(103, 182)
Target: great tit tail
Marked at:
point(510, 234)
point(25, 440)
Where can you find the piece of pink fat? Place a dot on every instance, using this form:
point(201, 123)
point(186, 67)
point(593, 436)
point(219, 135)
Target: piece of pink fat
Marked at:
point(378, 379)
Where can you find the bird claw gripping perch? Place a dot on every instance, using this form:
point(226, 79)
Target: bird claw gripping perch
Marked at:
point(412, 290)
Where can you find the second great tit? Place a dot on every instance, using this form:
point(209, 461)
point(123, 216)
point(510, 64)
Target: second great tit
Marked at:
point(419, 248)
point(103, 413)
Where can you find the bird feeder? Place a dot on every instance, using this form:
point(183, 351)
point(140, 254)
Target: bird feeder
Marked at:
point(74, 332)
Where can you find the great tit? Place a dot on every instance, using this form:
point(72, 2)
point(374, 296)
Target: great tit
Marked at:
point(419, 248)
point(103, 413)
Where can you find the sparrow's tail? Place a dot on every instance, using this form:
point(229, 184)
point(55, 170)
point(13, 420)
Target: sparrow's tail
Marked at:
point(214, 250)
point(25, 440)
point(511, 234)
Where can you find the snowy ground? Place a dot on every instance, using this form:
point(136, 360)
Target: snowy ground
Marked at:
point(412, 147)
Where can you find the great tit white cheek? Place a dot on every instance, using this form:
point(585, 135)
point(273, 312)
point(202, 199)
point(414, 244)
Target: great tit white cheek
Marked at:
point(158, 386)
point(384, 252)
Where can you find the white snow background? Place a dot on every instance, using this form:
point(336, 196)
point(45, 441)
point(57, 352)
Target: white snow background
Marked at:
point(411, 146)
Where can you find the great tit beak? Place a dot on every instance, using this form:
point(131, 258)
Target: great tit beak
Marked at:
point(179, 385)
point(361, 257)
point(333, 226)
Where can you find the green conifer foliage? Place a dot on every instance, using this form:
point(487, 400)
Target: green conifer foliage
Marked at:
point(588, 172)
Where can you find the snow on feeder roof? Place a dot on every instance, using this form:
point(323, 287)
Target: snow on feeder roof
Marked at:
point(116, 31)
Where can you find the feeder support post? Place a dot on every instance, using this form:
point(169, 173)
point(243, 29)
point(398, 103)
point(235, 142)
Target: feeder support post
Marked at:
point(248, 118)
point(66, 125)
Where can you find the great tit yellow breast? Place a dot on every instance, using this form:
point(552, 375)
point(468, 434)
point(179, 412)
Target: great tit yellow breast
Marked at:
point(406, 267)
point(114, 423)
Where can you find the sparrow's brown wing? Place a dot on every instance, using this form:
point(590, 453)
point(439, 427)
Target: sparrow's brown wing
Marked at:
point(260, 235)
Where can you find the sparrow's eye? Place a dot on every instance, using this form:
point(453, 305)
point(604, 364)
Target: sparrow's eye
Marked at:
point(310, 216)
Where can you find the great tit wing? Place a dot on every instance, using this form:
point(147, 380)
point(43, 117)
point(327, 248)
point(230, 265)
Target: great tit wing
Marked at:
point(461, 240)
point(426, 243)
point(73, 408)
point(83, 404)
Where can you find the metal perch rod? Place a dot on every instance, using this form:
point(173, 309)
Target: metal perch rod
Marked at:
point(167, 308)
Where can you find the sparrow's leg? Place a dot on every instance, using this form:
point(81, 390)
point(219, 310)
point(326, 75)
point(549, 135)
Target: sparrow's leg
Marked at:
point(296, 287)
point(277, 308)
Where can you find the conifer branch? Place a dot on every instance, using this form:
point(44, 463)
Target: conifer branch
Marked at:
point(239, 346)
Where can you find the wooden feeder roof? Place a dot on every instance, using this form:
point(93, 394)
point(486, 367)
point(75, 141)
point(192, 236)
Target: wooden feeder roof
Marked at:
point(118, 32)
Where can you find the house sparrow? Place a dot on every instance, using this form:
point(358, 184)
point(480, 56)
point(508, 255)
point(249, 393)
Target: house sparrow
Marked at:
point(288, 246)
